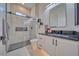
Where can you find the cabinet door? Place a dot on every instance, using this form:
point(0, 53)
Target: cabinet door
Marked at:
point(49, 45)
point(66, 47)
point(42, 41)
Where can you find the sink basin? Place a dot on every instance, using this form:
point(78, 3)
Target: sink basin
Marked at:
point(61, 35)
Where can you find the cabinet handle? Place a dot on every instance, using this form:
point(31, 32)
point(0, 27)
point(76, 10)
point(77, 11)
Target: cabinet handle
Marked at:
point(40, 38)
point(39, 45)
point(53, 41)
point(56, 42)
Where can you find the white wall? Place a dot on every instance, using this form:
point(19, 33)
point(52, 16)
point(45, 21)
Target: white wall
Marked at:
point(44, 15)
point(33, 11)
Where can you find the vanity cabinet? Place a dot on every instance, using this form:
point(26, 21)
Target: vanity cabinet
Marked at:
point(66, 47)
point(58, 46)
point(47, 43)
point(41, 41)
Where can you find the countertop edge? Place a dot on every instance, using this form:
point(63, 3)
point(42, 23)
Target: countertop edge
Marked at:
point(68, 38)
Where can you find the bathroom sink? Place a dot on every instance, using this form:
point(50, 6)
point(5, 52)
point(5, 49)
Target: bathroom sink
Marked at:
point(70, 37)
point(58, 35)
point(61, 35)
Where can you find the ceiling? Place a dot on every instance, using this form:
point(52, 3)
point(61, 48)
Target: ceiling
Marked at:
point(28, 5)
point(31, 5)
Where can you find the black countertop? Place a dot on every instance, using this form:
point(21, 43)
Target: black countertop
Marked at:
point(69, 37)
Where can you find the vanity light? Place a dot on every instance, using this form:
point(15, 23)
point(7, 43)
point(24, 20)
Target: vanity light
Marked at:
point(20, 14)
point(2, 9)
point(23, 3)
point(51, 5)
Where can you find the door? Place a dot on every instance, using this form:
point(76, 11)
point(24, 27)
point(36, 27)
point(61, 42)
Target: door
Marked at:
point(47, 43)
point(14, 35)
point(2, 29)
point(2, 49)
point(66, 47)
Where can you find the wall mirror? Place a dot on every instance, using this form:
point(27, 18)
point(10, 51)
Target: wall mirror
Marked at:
point(57, 16)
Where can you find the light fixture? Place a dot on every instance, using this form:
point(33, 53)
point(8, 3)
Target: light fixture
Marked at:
point(20, 14)
point(49, 5)
point(2, 9)
point(23, 3)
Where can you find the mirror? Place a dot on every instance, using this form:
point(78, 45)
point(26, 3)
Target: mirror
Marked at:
point(57, 16)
